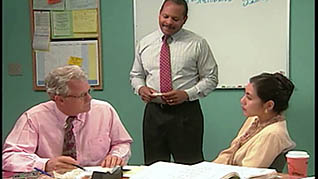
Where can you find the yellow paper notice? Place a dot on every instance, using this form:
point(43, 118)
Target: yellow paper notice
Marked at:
point(85, 21)
point(75, 61)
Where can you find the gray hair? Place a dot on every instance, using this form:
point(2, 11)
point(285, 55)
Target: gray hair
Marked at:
point(56, 80)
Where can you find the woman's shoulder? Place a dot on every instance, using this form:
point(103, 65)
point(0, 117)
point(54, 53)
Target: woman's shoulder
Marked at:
point(276, 130)
point(277, 133)
point(277, 127)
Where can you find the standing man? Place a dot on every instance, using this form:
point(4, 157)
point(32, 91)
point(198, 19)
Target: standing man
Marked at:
point(70, 128)
point(173, 68)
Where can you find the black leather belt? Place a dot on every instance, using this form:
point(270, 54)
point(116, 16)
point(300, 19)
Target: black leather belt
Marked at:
point(167, 106)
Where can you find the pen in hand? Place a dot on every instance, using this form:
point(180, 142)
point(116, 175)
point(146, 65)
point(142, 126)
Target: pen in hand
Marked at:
point(79, 167)
point(125, 169)
point(43, 172)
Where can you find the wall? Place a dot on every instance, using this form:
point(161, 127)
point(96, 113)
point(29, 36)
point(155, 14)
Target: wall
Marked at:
point(221, 108)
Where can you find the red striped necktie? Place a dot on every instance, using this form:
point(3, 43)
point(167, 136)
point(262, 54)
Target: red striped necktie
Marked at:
point(69, 147)
point(165, 67)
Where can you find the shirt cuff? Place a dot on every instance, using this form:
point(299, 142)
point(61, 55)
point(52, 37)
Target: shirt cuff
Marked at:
point(123, 153)
point(137, 89)
point(192, 93)
point(40, 163)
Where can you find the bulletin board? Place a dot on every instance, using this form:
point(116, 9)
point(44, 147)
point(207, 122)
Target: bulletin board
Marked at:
point(246, 37)
point(66, 32)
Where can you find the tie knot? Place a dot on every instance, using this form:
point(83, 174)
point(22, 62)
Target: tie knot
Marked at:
point(69, 121)
point(165, 38)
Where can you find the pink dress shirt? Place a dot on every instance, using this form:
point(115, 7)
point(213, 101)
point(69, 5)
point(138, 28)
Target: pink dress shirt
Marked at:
point(38, 136)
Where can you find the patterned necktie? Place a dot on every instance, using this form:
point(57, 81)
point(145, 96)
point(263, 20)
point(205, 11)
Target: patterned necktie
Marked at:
point(165, 68)
point(69, 147)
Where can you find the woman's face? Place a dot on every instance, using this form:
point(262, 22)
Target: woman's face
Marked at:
point(251, 104)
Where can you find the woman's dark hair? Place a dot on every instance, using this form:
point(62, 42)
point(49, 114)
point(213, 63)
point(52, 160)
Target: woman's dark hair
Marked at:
point(179, 2)
point(274, 87)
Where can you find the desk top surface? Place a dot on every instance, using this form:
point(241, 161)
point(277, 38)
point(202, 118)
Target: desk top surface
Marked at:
point(8, 175)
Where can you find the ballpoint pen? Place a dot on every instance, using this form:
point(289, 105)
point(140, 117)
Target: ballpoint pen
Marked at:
point(125, 169)
point(43, 172)
point(79, 167)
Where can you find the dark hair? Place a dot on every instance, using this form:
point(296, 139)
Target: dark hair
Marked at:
point(274, 87)
point(179, 2)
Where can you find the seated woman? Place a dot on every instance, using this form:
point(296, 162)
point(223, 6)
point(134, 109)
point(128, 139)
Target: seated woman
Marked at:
point(264, 134)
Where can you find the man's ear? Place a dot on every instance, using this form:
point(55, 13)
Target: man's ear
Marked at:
point(58, 99)
point(185, 19)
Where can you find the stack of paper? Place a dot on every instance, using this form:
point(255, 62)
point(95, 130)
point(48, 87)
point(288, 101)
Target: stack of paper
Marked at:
point(201, 170)
point(79, 173)
point(130, 170)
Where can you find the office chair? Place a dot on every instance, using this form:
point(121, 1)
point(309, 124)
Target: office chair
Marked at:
point(279, 162)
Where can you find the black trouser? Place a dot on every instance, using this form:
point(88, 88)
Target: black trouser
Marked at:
point(173, 130)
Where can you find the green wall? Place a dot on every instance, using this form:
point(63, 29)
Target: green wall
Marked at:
point(221, 108)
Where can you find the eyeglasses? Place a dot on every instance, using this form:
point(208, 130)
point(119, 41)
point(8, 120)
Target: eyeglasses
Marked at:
point(80, 96)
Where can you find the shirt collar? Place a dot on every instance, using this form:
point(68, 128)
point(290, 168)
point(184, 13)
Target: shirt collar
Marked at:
point(178, 34)
point(172, 37)
point(275, 119)
point(62, 117)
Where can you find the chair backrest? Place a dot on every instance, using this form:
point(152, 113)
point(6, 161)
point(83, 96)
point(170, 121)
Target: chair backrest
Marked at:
point(279, 162)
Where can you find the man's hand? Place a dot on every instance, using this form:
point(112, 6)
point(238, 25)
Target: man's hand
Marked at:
point(61, 164)
point(146, 94)
point(111, 161)
point(175, 97)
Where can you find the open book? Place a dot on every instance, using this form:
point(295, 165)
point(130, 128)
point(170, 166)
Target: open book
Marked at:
point(203, 170)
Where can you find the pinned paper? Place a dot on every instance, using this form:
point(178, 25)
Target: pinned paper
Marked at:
point(84, 21)
point(75, 61)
